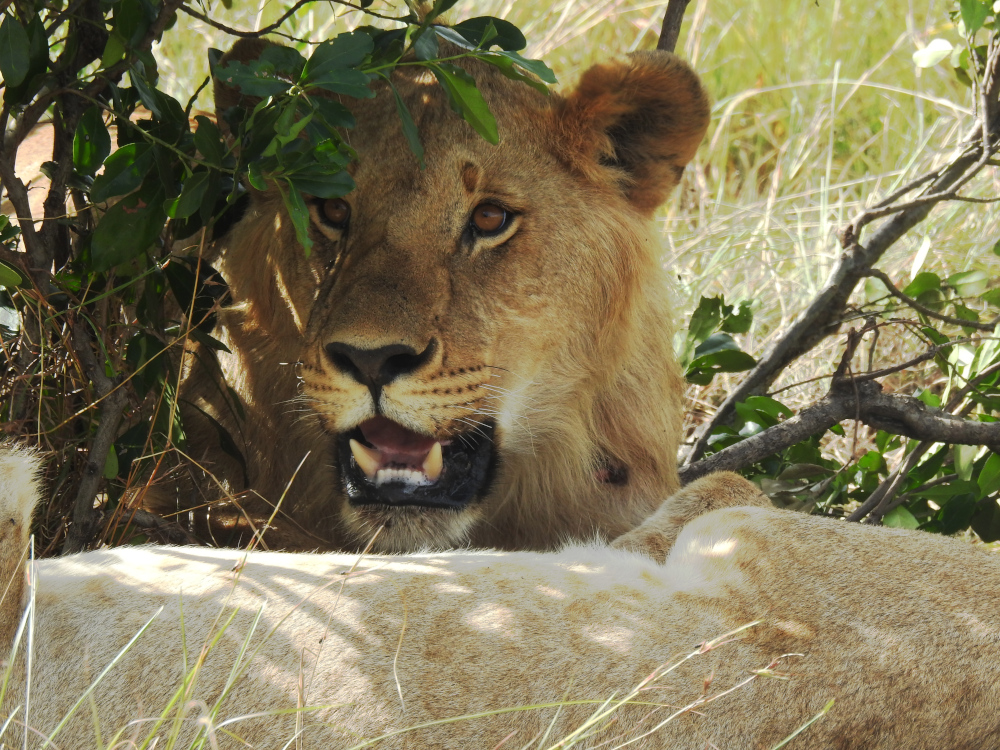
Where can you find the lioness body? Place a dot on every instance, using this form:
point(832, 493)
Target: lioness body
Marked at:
point(546, 345)
point(893, 625)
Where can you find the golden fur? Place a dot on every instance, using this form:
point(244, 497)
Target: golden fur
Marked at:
point(899, 628)
point(560, 335)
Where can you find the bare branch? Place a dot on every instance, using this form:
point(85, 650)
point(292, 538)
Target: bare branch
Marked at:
point(825, 313)
point(85, 517)
point(671, 29)
point(850, 399)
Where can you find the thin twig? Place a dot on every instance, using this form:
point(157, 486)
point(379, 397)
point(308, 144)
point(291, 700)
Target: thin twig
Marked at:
point(877, 504)
point(284, 17)
point(891, 288)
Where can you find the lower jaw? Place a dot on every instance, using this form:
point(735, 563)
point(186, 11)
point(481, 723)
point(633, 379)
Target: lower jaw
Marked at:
point(402, 529)
point(468, 472)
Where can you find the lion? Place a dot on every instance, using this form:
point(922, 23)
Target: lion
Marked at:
point(476, 353)
point(867, 637)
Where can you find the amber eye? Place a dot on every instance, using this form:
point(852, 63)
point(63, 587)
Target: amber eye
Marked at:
point(336, 211)
point(489, 218)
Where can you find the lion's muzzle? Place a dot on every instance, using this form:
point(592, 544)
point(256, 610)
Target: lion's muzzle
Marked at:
point(383, 463)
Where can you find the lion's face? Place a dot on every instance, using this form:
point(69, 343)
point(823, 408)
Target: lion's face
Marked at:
point(465, 320)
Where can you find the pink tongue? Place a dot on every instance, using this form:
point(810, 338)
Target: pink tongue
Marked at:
point(392, 438)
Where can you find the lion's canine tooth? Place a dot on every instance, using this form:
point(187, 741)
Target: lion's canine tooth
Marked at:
point(434, 462)
point(368, 459)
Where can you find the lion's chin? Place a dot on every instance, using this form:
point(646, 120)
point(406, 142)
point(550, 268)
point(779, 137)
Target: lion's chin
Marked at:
point(385, 466)
point(402, 529)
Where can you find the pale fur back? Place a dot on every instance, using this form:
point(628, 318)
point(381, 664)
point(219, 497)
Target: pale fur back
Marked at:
point(462, 650)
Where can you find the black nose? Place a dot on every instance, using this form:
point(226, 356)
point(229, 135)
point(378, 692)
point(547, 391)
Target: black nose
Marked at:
point(376, 368)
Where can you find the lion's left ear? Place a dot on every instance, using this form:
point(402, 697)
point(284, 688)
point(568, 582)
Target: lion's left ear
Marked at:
point(642, 119)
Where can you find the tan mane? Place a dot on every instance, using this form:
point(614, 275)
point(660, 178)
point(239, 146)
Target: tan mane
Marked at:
point(553, 342)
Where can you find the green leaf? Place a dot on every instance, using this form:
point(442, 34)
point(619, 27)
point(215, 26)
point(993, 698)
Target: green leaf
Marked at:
point(10, 277)
point(298, 212)
point(150, 97)
point(769, 406)
point(191, 197)
point(409, 128)
point(14, 59)
point(739, 321)
point(506, 66)
point(956, 513)
point(900, 518)
point(974, 13)
point(965, 313)
point(323, 186)
point(922, 282)
point(705, 319)
point(253, 79)
point(467, 100)
point(969, 283)
point(965, 456)
point(996, 248)
point(209, 341)
point(114, 51)
point(345, 81)
point(38, 61)
point(936, 51)
point(717, 342)
point(991, 297)
point(873, 462)
point(989, 477)
point(128, 228)
point(344, 52)
point(132, 19)
point(8, 232)
point(123, 172)
point(196, 295)
point(536, 67)
point(208, 141)
point(507, 36)
point(111, 464)
point(986, 519)
point(335, 114)
point(92, 143)
point(284, 60)
point(426, 46)
point(704, 368)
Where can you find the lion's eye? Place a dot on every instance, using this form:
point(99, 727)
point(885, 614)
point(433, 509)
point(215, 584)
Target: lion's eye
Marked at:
point(336, 212)
point(489, 218)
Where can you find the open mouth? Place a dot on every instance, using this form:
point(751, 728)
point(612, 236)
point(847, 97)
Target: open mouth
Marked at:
point(383, 463)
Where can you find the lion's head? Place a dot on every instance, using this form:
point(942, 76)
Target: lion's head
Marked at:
point(483, 346)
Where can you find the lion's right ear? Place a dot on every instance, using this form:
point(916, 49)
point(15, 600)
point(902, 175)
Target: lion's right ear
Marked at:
point(244, 51)
point(639, 120)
